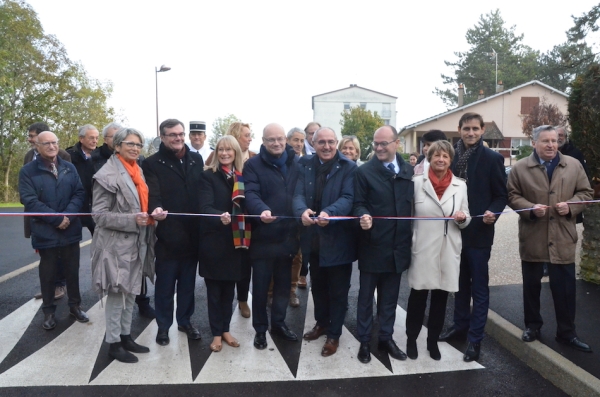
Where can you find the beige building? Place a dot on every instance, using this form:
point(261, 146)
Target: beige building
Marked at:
point(502, 114)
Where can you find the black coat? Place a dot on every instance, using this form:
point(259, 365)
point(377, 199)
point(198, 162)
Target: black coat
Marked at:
point(40, 191)
point(486, 189)
point(85, 169)
point(173, 186)
point(268, 189)
point(386, 247)
point(219, 259)
point(337, 240)
point(569, 149)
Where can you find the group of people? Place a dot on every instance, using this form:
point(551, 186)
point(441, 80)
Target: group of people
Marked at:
point(304, 204)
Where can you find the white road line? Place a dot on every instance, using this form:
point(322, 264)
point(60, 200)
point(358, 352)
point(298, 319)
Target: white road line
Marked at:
point(66, 361)
point(244, 363)
point(33, 265)
point(13, 326)
point(163, 365)
point(343, 364)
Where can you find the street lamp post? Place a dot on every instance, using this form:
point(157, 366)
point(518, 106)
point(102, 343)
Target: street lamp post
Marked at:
point(163, 68)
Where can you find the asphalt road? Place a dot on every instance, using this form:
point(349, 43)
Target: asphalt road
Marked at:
point(502, 374)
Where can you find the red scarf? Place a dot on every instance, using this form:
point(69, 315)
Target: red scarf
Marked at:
point(136, 176)
point(440, 185)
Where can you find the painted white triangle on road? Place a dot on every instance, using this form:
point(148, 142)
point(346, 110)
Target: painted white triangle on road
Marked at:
point(163, 365)
point(343, 364)
point(66, 361)
point(244, 363)
point(13, 326)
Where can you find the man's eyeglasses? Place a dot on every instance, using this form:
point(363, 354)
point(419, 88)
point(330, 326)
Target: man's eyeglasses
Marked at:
point(174, 136)
point(382, 144)
point(131, 145)
point(46, 144)
point(273, 140)
point(323, 143)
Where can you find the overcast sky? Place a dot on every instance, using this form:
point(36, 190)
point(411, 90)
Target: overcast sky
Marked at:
point(264, 60)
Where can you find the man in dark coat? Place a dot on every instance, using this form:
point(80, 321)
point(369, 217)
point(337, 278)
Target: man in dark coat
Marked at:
point(50, 184)
point(173, 176)
point(81, 157)
point(325, 188)
point(270, 182)
point(483, 170)
point(566, 147)
point(382, 187)
point(33, 131)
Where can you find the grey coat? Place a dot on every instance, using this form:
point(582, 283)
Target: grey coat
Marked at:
point(122, 251)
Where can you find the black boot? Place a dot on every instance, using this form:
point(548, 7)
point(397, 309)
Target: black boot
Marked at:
point(128, 344)
point(411, 349)
point(117, 352)
point(434, 350)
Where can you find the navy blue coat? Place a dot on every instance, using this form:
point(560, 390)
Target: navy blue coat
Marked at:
point(486, 189)
point(337, 240)
point(386, 247)
point(40, 191)
point(268, 189)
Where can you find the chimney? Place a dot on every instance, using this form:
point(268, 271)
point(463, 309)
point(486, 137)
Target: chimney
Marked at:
point(461, 95)
point(480, 96)
point(500, 87)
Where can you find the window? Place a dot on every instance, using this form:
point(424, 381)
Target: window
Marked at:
point(516, 142)
point(528, 103)
point(386, 121)
point(363, 105)
point(386, 110)
point(346, 105)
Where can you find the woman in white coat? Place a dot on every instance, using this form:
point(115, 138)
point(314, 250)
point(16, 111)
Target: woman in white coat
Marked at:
point(436, 245)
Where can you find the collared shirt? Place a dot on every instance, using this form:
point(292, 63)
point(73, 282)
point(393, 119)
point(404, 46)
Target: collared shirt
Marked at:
point(395, 164)
point(204, 151)
point(549, 164)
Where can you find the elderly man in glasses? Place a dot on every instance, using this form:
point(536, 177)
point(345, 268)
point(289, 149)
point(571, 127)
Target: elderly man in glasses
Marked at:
point(50, 184)
point(550, 184)
point(173, 176)
point(382, 187)
point(270, 182)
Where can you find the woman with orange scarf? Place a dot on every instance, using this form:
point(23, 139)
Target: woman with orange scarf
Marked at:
point(436, 246)
point(123, 244)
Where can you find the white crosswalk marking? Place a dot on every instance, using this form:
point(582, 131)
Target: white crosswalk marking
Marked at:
point(343, 364)
point(15, 324)
point(163, 365)
point(67, 361)
point(245, 363)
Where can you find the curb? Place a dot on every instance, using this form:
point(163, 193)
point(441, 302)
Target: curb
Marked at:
point(563, 373)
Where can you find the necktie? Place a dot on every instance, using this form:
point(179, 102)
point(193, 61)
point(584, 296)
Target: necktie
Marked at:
point(54, 170)
point(391, 167)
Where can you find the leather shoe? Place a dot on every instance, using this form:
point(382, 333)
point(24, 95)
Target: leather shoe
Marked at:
point(284, 332)
point(364, 353)
point(434, 350)
point(118, 352)
point(59, 292)
point(192, 333)
point(79, 314)
point(315, 333)
point(162, 337)
point(330, 347)
point(452, 334)
point(294, 301)
point(411, 349)
point(575, 343)
point(260, 340)
point(244, 309)
point(49, 321)
point(472, 352)
point(392, 349)
point(129, 344)
point(302, 282)
point(530, 334)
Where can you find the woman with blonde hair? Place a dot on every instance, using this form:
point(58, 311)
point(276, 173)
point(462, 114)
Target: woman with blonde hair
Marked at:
point(224, 240)
point(350, 147)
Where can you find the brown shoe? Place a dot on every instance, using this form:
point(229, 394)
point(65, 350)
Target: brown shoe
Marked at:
point(294, 301)
point(330, 347)
point(302, 282)
point(59, 292)
point(38, 295)
point(244, 309)
point(315, 333)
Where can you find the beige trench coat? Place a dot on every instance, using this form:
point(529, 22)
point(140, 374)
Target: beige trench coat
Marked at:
point(551, 238)
point(122, 252)
point(436, 245)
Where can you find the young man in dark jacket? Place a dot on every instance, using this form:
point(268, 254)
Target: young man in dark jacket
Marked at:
point(270, 182)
